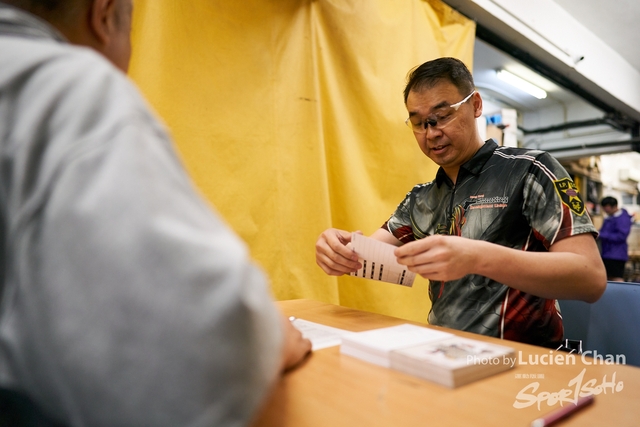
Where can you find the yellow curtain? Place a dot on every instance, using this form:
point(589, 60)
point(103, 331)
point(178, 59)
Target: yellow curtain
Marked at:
point(288, 115)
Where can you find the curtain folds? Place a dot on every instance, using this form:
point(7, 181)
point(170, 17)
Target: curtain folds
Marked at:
point(288, 115)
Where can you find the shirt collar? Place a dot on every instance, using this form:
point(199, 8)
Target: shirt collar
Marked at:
point(474, 165)
point(17, 22)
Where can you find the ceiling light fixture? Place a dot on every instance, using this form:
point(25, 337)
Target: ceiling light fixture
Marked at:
point(521, 84)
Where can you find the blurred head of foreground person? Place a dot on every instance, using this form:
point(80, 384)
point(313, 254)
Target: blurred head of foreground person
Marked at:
point(124, 299)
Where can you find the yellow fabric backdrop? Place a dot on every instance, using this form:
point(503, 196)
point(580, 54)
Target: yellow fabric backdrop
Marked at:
point(288, 114)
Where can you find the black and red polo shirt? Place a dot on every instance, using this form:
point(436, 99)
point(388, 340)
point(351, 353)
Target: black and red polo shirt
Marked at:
point(518, 198)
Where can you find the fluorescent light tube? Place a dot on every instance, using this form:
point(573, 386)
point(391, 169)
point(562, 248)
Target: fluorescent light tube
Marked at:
point(521, 84)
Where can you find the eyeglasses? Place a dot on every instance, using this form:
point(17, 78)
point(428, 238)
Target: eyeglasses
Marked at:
point(440, 119)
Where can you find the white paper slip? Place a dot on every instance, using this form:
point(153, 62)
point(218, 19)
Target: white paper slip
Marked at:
point(321, 336)
point(379, 262)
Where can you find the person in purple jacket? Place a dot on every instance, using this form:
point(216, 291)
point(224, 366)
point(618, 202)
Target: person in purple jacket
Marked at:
point(613, 239)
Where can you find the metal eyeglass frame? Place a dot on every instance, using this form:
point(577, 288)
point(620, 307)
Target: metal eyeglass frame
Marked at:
point(423, 126)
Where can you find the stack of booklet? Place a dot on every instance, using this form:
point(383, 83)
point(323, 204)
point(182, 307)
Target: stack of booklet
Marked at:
point(426, 353)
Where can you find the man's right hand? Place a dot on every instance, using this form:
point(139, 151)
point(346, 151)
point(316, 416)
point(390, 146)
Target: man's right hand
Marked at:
point(333, 255)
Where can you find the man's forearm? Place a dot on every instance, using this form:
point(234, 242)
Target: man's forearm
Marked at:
point(558, 274)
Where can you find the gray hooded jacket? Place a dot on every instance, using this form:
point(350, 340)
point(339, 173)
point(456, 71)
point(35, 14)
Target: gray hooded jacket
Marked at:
point(124, 299)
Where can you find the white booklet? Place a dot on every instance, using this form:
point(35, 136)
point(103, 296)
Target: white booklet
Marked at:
point(375, 346)
point(379, 262)
point(454, 361)
point(430, 354)
point(321, 336)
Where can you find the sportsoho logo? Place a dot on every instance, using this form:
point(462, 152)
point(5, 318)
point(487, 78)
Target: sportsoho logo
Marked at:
point(577, 387)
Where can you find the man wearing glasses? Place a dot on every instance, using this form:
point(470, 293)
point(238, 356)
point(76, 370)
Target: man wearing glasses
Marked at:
point(501, 233)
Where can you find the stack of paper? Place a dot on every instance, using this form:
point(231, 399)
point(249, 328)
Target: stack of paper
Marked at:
point(454, 361)
point(429, 354)
point(376, 345)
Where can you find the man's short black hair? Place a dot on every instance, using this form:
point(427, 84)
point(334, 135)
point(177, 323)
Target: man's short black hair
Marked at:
point(433, 72)
point(609, 201)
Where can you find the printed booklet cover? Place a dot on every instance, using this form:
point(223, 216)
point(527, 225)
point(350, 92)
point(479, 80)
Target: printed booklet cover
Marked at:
point(430, 354)
point(453, 361)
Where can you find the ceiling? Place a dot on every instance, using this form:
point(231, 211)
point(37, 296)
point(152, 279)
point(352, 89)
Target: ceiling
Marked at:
point(617, 24)
point(618, 27)
point(487, 59)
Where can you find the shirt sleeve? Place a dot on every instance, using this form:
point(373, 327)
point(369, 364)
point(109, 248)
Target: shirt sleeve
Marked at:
point(552, 204)
point(399, 224)
point(133, 303)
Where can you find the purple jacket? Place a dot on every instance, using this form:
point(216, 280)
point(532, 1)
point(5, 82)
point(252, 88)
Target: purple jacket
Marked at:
point(613, 236)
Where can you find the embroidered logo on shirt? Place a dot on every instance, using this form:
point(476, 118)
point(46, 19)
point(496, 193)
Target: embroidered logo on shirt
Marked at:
point(481, 201)
point(568, 193)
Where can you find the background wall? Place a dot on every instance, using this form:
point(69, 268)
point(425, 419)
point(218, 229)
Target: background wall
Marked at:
point(289, 116)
